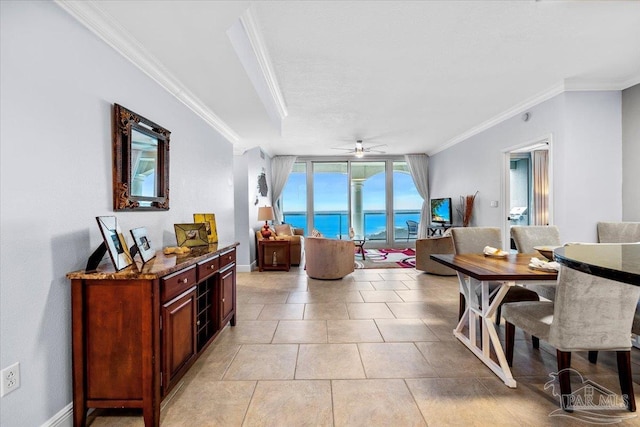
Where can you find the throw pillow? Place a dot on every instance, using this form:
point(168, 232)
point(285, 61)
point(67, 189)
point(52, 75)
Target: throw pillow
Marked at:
point(284, 230)
point(315, 233)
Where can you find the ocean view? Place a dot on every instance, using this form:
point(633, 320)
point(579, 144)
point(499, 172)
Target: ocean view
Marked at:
point(336, 224)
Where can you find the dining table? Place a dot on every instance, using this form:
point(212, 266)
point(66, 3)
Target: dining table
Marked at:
point(615, 261)
point(475, 273)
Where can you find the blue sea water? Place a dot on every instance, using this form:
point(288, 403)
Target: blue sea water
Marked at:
point(336, 224)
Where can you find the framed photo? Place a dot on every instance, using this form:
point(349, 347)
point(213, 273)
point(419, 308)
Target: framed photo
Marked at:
point(209, 221)
point(115, 242)
point(142, 241)
point(191, 235)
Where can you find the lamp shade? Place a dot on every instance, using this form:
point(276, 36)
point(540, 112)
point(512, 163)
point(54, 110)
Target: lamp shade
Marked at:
point(266, 214)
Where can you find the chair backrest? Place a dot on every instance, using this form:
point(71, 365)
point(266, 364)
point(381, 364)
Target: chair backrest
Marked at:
point(592, 313)
point(526, 237)
point(618, 232)
point(412, 226)
point(474, 239)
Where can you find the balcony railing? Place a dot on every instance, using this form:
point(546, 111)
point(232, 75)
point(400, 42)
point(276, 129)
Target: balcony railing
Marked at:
point(336, 223)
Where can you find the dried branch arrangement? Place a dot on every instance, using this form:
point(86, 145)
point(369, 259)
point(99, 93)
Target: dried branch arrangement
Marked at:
point(466, 208)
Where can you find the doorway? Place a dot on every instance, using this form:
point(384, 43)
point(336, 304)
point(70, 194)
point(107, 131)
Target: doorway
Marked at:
point(527, 190)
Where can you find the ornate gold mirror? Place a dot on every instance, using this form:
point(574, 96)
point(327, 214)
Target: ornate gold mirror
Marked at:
point(140, 162)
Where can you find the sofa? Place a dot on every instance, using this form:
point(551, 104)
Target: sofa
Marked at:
point(329, 258)
point(434, 245)
point(294, 235)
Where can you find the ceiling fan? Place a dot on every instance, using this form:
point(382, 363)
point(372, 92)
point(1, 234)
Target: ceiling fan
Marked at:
point(359, 149)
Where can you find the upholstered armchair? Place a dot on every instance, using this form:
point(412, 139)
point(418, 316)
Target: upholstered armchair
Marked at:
point(618, 232)
point(294, 235)
point(589, 313)
point(329, 258)
point(433, 245)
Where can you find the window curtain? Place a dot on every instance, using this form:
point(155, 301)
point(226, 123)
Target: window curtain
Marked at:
point(281, 167)
point(541, 187)
point(418, 167)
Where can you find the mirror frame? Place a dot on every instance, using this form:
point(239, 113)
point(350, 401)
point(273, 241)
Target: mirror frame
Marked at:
point(124, 121)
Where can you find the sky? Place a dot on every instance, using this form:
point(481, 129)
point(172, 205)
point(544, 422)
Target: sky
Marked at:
point(331, 192)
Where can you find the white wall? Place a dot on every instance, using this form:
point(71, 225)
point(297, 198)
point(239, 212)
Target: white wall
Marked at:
point(58, 82)
point(631, 153)
point(247, 168)
point(587, 165)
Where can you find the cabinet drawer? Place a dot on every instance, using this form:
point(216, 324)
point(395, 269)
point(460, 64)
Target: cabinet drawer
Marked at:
point(176, 283)
point(208, 267)
point(227, 258)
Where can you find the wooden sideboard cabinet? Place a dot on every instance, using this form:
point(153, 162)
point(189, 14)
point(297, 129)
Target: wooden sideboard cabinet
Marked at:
point(137, 331)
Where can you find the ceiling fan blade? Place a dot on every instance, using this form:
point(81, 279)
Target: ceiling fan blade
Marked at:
point(376, 146)
point(376, 151)
point(343, 149)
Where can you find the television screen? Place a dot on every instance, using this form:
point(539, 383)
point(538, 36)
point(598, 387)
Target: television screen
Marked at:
point(441, 210)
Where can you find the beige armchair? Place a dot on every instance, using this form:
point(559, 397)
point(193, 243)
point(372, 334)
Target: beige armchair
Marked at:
point(329, 258)
point(433, 245)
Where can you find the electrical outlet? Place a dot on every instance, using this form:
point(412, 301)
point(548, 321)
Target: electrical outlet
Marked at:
point(10, 378)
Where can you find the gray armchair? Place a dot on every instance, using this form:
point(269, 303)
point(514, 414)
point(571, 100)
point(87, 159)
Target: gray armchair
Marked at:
point(589, 313)
point(433, 245)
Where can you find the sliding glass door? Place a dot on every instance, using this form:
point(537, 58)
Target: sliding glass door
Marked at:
point(331, 198)
point(368, 200)
point(375, 197)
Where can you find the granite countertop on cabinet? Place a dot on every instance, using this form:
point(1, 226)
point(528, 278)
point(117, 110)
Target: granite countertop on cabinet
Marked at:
point(159, 266)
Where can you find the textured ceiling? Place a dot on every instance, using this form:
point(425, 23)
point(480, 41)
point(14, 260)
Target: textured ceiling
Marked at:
point(415, 75)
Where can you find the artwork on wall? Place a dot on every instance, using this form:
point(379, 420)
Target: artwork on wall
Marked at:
point(209, 221)
point(114, 241)
point(191, 235)
point(143, 244)
point(263, 188)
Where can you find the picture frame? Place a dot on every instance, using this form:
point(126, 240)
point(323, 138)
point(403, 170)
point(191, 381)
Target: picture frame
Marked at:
point(209, 221)
point(191, 235)
point(143, 243)
point(114, 241)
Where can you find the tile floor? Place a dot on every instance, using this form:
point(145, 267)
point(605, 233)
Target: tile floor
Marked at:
point(373, 349)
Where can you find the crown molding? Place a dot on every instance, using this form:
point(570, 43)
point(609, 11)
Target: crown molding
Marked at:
point(511, 112)
point(261, 53)
point(112, 33)
point(568, 85)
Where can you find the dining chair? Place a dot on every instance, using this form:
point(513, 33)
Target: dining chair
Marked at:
point(412, 229)
point(525, 239)
point(619, 232)
point(473, 240)
point(589, 313)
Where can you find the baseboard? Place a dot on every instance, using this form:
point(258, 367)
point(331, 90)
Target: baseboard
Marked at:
point(64, 418)
point(247, 268)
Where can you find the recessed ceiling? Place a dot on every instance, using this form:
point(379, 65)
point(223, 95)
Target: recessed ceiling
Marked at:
point(417, 76)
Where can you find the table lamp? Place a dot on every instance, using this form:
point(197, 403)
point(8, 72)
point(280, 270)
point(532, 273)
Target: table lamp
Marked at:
point(266, 214)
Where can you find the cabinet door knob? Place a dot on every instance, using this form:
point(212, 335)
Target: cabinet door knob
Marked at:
point(185, 280)
point(198, 322)
point(222, 299)
point(212, 266)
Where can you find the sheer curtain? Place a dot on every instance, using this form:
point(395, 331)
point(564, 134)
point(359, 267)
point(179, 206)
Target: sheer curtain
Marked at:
point(418, 167)
point(540, 160)
point(281, 167)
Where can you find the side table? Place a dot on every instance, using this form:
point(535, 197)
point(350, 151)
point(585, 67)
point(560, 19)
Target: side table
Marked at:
point(266, 251)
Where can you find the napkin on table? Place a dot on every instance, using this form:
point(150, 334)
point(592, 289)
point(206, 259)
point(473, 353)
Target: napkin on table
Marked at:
point(538, 263)
point(489, 250)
